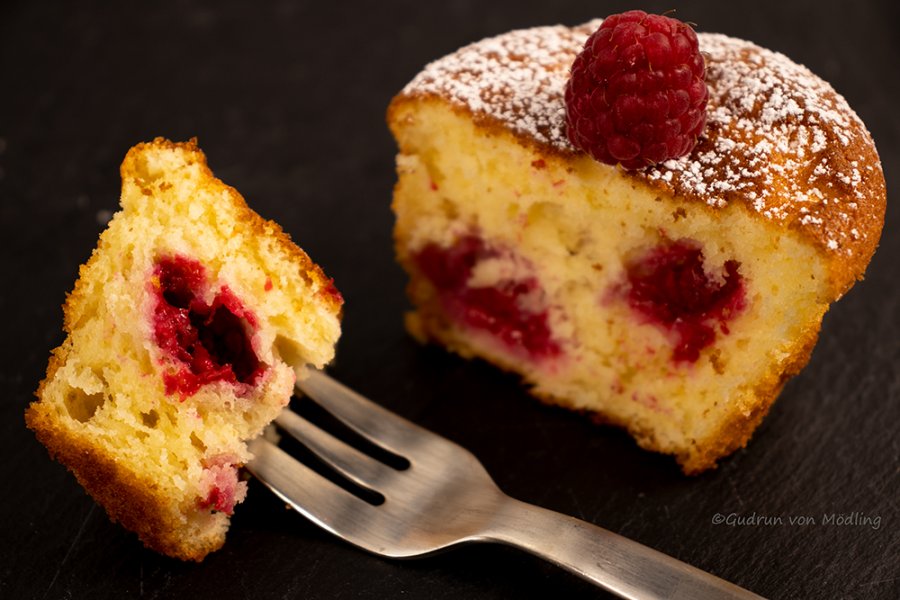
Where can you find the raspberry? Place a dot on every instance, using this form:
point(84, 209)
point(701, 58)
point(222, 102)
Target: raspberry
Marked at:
point(637, 91)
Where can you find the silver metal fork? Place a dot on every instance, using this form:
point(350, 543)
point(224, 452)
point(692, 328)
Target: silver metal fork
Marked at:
point(446, 497)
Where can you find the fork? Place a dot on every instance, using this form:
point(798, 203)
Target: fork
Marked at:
point(446, 497)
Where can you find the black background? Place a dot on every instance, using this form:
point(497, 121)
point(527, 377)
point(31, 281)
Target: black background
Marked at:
point(288, 100)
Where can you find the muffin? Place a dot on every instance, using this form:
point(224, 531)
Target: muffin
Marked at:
point(673, 300)
point(185, 332)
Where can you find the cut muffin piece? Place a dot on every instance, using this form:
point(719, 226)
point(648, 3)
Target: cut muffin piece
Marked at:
point(185, 330)
point(674, 301)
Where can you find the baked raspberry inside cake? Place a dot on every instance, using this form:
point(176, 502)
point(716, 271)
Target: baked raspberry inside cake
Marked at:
point(669, 286)
point(206, 342)
point(186, 331)
point(510, 309)
point(673, 300)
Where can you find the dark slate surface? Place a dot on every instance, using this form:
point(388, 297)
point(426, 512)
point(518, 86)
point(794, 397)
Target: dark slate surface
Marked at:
point(288, 101)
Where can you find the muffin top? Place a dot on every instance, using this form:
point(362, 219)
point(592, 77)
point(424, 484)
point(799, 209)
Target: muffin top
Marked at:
point(779, 140)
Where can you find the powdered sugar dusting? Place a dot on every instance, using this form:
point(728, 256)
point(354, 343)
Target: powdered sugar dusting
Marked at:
point(778, 138)
point(517, 78)
point(773, 127)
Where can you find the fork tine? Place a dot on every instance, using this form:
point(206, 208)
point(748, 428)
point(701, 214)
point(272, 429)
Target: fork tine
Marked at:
point(380, 426)
point(307, 492)
point(350, 462)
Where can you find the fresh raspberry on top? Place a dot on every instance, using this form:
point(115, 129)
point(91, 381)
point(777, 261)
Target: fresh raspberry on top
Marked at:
point(637, 91)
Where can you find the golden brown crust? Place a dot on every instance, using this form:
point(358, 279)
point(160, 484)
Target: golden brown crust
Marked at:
point(738, 429)
point(779, 141)
point(126, 498)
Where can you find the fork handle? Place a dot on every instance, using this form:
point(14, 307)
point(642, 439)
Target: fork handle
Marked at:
point(617, 564)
